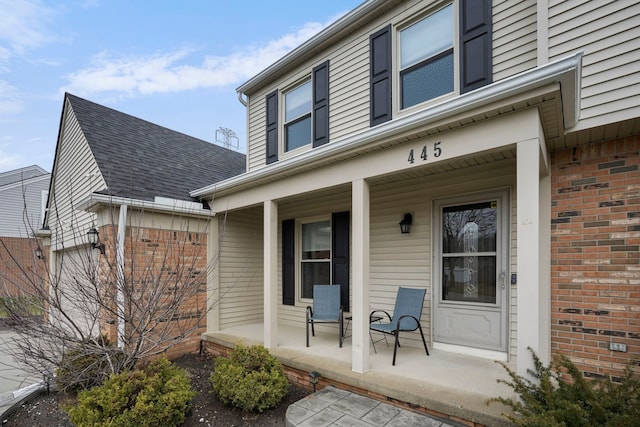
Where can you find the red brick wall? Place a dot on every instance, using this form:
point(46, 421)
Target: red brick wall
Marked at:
point(301, 378)
point(595, 254)
point(168, 260)
point(20, 270)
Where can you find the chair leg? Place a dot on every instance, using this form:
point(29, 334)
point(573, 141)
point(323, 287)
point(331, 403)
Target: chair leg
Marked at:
point(340, 339)
point(395, 349)
point(307, 332)
point(423, 340)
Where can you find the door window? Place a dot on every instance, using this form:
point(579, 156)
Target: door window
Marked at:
point(469, 237)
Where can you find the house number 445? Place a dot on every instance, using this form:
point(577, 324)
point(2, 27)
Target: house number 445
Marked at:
point(424, 154)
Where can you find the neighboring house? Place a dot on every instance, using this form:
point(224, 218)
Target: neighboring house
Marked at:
point(22, 199)
point(521, 118)
point(129, 179)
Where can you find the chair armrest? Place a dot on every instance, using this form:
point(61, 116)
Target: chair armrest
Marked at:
point(379, 311)
point(309, 312)
point(400, 321)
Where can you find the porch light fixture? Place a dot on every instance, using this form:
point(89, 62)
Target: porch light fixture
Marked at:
point(314, 376)
point(405, 224)
point(94, 240)
point(39, 253)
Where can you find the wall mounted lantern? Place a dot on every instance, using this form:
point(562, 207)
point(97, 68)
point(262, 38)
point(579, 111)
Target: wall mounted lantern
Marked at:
point(405, 224)
point(315, 377)
point(94, 239)
point(39, 253)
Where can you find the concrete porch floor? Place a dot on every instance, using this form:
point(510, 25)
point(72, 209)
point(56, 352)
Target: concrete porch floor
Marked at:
point(448, 383)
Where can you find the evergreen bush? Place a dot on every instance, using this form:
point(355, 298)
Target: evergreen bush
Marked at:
point(158, 395)
point(250, 379)
point(550, 400)
point(86, 365)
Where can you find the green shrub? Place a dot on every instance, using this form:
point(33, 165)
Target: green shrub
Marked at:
point(548, 400)
point(87, 364)
point(158, 395)
point(250, 379)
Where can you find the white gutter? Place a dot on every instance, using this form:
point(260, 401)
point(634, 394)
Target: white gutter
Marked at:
point(566, 72)
point(341, 24)
point(120, 242)
point(93, 201)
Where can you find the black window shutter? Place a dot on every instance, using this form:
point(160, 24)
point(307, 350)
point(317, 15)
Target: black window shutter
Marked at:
point(288, 262)
point(475, 42)
point(320, 83)
point(272, 127)
point(340, 254)
point(380, 76)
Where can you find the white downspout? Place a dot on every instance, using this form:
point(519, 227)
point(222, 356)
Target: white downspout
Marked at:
point(122, 228)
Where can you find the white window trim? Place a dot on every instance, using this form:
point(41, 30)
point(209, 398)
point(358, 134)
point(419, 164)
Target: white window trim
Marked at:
point(397, 95)
point(282, 137)
point(298, 249)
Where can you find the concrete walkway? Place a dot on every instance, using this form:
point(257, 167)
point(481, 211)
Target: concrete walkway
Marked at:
point(15, 384)
point(333, 407)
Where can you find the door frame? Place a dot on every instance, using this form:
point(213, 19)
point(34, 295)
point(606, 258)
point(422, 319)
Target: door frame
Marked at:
point(503, 238)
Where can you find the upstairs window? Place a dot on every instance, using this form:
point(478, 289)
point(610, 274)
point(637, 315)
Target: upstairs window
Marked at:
point(297, 117)
point(426, 58)
point(303, 120)
point(435, 56)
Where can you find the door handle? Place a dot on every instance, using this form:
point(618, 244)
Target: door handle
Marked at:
point(503, 277)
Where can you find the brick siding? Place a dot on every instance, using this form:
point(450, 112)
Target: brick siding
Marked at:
point(20, 270)
point(595, 254)
point(171, 259)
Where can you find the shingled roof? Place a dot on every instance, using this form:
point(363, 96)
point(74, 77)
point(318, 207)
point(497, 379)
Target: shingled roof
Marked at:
point(141, 160)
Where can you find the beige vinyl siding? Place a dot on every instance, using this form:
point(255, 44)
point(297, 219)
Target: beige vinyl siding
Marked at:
point(406, 260)
point(514, 37)
point(316, 205)
point(514, 40)
point(77, 175)
point(401, 259)
point(607, 32)
point(73, 268)
point(241, 268)
point(256, 132)
point(349, 89)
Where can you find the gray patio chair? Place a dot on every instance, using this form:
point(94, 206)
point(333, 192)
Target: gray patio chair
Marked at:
point(406, 317)
point(326, 309)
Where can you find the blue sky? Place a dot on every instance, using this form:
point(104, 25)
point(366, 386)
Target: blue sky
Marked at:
point(174, 63)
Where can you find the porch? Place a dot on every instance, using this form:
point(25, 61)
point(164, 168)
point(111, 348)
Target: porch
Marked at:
point(444, 383)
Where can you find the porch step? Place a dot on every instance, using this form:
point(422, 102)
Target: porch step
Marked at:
point(334, 407)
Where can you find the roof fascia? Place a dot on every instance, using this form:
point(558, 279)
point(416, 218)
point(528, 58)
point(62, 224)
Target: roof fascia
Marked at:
point(566, 72)
point(94, 202)
point(25, 182)
point(317, 40)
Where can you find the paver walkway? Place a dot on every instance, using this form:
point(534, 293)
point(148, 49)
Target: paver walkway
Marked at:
point(334, 407)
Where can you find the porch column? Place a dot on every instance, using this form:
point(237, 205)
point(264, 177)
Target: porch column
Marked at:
point(270, 274)
point(213, 275)
point(360, 276)
point(533, 253)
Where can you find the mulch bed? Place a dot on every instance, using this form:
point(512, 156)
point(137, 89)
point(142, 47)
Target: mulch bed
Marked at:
point(46, 410)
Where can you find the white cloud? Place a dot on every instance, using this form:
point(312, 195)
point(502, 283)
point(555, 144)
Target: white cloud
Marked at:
point(170, 72)
point(23, 26)
point(8, 162)
point(9, 101)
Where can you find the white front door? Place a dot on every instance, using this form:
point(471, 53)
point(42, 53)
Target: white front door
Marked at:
point(470, 271)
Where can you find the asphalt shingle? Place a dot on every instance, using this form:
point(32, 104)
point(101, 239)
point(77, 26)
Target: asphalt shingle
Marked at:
point(141, 160)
